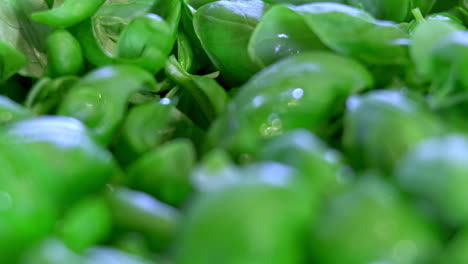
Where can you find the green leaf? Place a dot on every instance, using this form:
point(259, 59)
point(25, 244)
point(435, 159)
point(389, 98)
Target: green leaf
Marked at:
point(280, 33)
point(143, 129)
point(396, 10)
point(140, 212)
point(224, 29)
point(185, 52)
point(98, 35)
point(145, 42)
point(165, 172)
point(369, 118)
point(301, 91)
point(64, 54)
point(26, 36)
point(70, 13)
point(380, 215)
point(10, 111)
point(46, 94)
point(84, 166)
point(441, 164)
point(51, 251)
point(140, 32)
point(78, 218)
point(423, 39)
point(272, 233)
point(201, 91)
point(100, 98)
point(449, 61)
point(11, 61)
point(354, 32)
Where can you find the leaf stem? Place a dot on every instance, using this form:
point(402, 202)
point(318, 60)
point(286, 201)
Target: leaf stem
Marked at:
point(418, 15)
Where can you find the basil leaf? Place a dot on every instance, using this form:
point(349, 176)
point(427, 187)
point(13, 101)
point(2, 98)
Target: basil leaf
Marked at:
point(20, 32)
